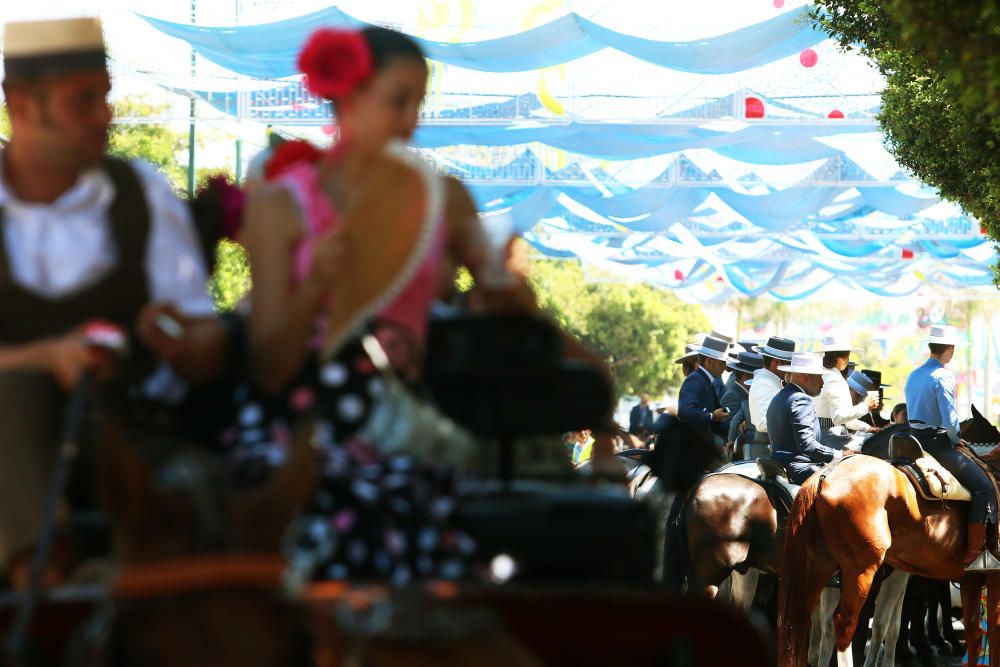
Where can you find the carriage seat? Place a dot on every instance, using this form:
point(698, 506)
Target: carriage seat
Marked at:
point(929, 478)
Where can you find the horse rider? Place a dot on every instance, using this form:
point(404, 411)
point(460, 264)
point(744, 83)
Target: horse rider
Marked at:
point(698, 403)
point(766, 385)
point(688, 362)
point(930, 404)
point(838, 413)
point(743, 367)
point(722, 387)
point(792, 421)
point(82, 237)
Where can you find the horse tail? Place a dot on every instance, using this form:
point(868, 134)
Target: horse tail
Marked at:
point(795, 599)
point(675, 560)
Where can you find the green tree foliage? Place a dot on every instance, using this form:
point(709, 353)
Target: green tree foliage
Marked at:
point(155, 143)
point(638, 329)
point(941, 105)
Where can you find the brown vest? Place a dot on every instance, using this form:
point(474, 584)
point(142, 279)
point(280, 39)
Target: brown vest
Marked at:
point(117, 296)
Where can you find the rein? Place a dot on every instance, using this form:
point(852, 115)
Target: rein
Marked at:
point(195, 573)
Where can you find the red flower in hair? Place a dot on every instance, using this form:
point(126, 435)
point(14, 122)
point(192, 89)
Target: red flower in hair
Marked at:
point(335, 62)
point(288, 154)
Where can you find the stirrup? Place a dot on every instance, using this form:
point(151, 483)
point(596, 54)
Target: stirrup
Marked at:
point(984, 562)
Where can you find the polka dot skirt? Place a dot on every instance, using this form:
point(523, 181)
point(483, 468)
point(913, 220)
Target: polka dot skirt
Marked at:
point(373, 516)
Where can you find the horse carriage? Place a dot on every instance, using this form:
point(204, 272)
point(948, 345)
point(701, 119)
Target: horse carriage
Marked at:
point(573, 566)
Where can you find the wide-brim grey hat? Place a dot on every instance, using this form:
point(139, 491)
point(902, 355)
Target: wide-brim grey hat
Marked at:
point(777, 348)
point(714, 348)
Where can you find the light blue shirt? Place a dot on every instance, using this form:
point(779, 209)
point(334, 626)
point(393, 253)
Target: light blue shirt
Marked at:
point(930, 397)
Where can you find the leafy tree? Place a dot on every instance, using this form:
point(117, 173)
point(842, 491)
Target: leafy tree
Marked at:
point(155, 143)
point(638, 329)
point(941, 104)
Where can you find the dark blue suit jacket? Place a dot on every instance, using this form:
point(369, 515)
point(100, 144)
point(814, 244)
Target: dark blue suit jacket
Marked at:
point(697, 401)
point(793, 427)
point(640, 418)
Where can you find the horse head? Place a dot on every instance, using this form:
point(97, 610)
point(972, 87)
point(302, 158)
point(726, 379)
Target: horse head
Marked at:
point(978, 430)
point(168, 499)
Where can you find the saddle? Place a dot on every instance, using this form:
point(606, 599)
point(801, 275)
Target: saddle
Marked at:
point(770, 475)
point(929, 478)
point(774, 478)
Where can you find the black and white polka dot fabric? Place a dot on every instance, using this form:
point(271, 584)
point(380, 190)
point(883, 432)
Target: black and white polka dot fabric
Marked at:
point(374, 517)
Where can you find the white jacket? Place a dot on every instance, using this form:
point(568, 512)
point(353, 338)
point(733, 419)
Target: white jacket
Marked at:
point(834, 403)
point(764, 388)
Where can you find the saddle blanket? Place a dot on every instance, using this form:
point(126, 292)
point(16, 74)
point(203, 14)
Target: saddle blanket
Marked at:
point(932, 480)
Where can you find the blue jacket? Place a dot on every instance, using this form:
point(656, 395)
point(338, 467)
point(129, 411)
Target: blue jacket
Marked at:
point(793, 426)
point(698, 400)
point(741, 415)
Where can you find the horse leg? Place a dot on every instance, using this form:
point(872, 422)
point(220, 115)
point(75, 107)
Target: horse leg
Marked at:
point(862, 634)
point(934, 637)
point(972, 591)
point(943, 594)
point(743, 588)
point(993, 617)
point(885, 624)
point(918, 637)
point(856, 584)
point(821, 634)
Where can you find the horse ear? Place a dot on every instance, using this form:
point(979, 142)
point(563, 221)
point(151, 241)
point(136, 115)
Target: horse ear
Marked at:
point(261, 516)
point(976, 413)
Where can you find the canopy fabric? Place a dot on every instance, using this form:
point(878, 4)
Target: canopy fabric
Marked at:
point(764, 178)
point(274, 46)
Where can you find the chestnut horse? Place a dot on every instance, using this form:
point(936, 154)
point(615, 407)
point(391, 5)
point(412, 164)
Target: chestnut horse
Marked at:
point(857, 514)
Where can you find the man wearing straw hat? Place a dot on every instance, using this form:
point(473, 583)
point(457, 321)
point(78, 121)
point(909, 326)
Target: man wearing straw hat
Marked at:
point(698, 404)
point(743, 367)
point(930, 403)
point(792, 421)
point(766, 385)
point(82, 237)
point(838, 413)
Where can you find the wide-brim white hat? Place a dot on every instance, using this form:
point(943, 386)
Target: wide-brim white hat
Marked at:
point(942, 334)
point(805, 362)
point(838, 343)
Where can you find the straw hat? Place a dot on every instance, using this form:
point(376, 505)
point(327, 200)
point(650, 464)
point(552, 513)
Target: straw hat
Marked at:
point(33, 49)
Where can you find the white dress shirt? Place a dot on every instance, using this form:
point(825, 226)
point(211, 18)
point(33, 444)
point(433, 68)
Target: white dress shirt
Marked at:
point(834, 403)
point(764, 388)
point(58, 248)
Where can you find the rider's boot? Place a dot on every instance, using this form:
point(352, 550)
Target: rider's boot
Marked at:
point(977, 557)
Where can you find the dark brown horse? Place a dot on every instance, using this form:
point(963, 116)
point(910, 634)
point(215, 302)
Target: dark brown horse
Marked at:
point(856, 515)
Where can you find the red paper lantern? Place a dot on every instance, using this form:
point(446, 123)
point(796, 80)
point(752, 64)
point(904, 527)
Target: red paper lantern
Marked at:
point(836, 113)
point(718, 279)
point(808, 58)
point(907, 253)
point(328, 130)
point(754, 107)
point(678, 274)
point(779, 3)
point(982, 229)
